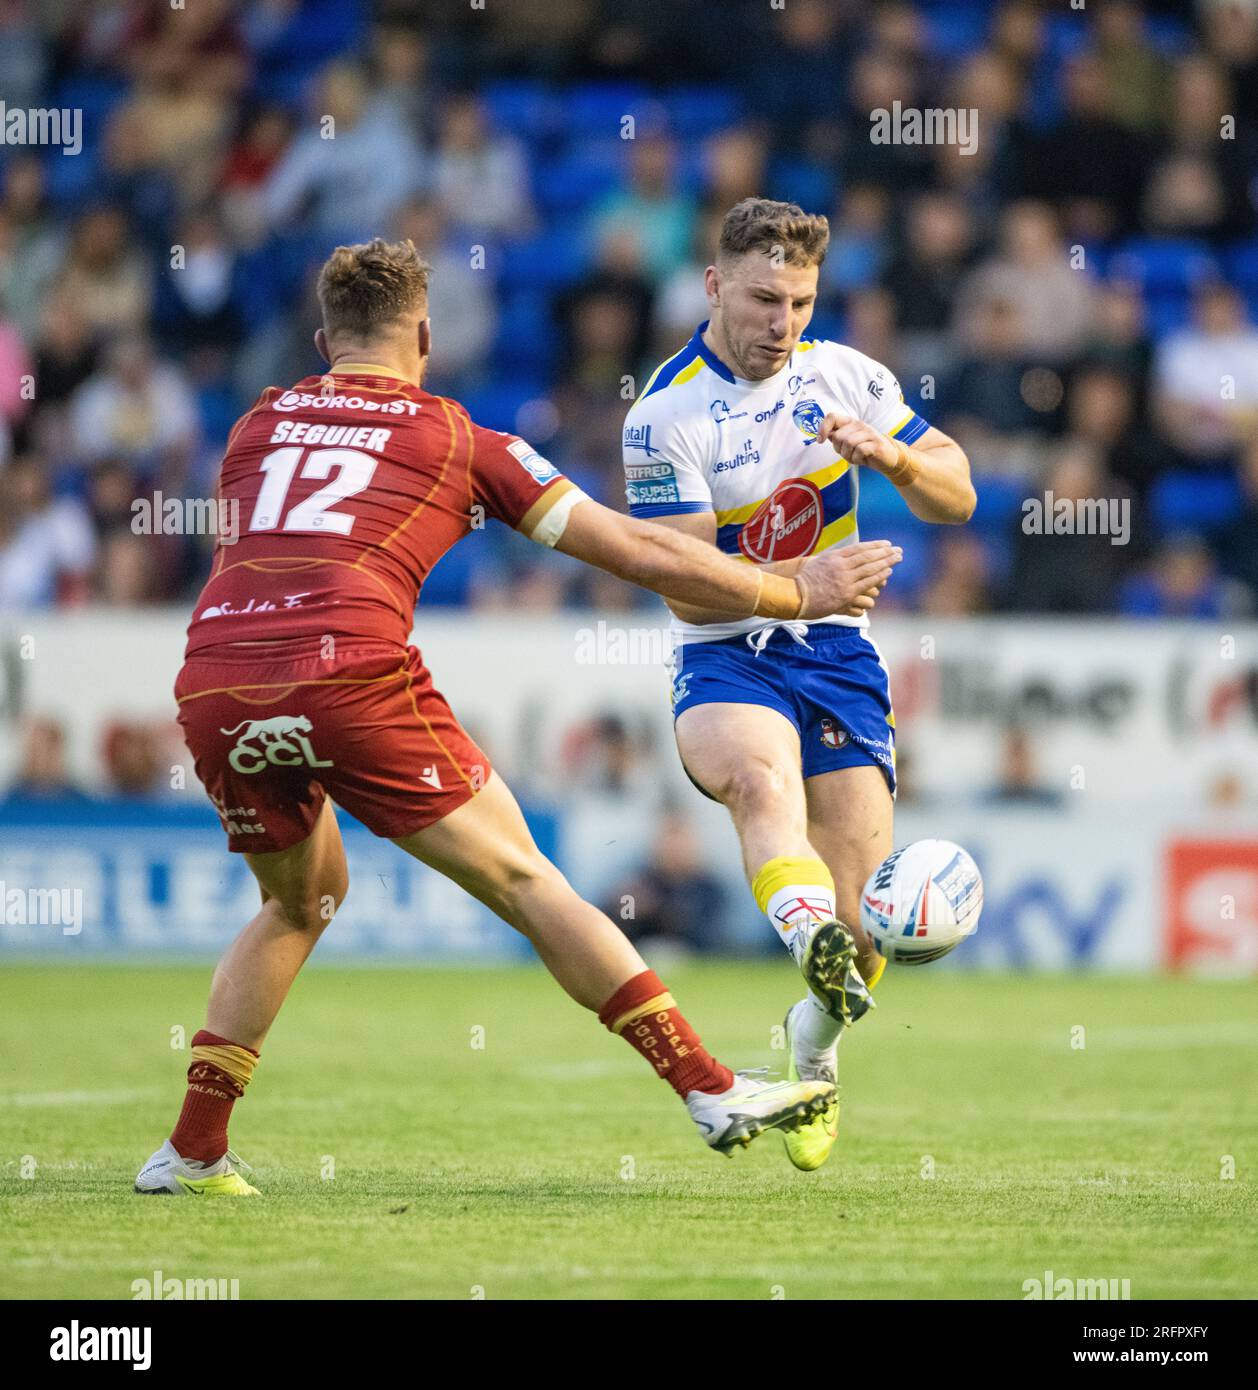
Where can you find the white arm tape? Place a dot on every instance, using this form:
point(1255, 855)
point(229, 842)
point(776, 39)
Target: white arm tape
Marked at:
point(554, 523)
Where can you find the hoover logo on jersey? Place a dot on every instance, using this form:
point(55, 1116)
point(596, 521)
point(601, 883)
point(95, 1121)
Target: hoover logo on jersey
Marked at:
point(539, 469)
point(786, 525)
point(808, 416)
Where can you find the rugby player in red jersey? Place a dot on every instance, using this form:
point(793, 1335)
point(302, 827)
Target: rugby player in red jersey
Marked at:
point(299, 689)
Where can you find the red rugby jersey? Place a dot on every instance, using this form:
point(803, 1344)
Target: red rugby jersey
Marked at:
point(343, 492)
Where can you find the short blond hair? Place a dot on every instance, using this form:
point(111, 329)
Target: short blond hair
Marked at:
point(761, 224)
point(365, 288)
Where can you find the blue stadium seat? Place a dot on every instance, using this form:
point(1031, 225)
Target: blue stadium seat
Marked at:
point(999, 503)
point(572, 183)
point(96, 97)
point(523, 107)
point(1163, 263)
point(597, 108)
point(803, 182)
point(1186, 501)
point(1166, 312)
point(546, 261)
point(73, 180)
point(496, 403)
point(526, 335)
point(1242, 265)
point(697, 112)
point(955, 33)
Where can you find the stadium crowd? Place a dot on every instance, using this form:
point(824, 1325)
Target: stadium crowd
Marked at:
point(1073, 296)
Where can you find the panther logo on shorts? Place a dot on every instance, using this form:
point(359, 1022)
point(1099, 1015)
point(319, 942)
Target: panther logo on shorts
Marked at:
point(280, 741)
point(831, 734)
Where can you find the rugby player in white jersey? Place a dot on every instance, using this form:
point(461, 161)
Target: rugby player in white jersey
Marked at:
point(752, 438)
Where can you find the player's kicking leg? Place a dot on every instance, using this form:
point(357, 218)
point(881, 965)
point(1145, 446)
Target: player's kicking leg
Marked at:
point(302, 888)
point(850, 824)
point(485, 846)
point(748, 757)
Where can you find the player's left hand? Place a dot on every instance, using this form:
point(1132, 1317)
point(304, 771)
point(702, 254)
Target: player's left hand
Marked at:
point(859, 443)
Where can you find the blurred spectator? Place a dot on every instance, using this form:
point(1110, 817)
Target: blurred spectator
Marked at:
point(136, 408)
point(402, 77)
point(858, 239)
point(1221, 168)
point(480, 175)
point(604, 756)
point(460, 299)
point(1206, 377)
point(104, 274)
point(1134, 74)
point(987, 386)
point(46, 544)
point(1073, 572)
point(1231, 37)
point(17, 376)
point(43, 775)
point(673, 900)
point(350, 168)
point(248, 167)
point(126, 570)
point(958, 586)
point(606, 318)
point(32, 241)
point(1089, 156)
point(1017, 779)
point(924, 275)
point(67, 351)
point(198, 299)
point(682, 304)
point(1031, 271)
point(735, 166)
point(651, 209)
point(1181, 581)
point(1101, 410)
point(1238, 539)
point(132, 757)
point(1118, 337)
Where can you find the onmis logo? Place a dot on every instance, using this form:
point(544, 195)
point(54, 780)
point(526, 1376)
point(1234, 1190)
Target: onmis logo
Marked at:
point(786, 525)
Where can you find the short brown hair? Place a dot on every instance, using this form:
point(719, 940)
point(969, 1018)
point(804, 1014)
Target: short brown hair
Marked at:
point(367, 287)
point(760, 224)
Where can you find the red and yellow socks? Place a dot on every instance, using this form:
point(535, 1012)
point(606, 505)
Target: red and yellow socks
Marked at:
point(217, 1078)
point(643, 1012)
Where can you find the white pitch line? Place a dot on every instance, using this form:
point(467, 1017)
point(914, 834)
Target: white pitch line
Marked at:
point(52, 1099)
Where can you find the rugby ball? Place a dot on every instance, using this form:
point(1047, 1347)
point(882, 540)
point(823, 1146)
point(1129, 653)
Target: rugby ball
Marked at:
point(922, 901)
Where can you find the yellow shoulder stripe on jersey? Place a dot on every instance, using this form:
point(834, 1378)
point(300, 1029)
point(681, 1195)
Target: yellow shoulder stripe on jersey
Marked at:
point(651, 379)
point(901, 425)
point(822, 478)
point(803, 346)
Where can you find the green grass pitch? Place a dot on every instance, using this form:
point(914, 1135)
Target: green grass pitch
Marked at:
point(399, 1160)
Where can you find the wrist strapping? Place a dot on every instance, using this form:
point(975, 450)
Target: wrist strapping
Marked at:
point(906, 467)
point(777, 596)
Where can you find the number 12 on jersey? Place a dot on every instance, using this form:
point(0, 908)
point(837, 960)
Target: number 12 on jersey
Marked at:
point(314, 514)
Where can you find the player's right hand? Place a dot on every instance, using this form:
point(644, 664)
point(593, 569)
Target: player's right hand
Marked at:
point(847, 579)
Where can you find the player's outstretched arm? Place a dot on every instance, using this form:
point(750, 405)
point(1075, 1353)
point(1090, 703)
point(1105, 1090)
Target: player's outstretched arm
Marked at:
point(933, 476)
point(687, 570)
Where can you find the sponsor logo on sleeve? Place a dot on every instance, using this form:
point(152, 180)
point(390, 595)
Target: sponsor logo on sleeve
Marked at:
point(541, 470)
point(647, 484)
point(639, 437)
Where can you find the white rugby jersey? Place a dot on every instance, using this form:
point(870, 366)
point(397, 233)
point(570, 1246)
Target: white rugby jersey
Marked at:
point(700, 439)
